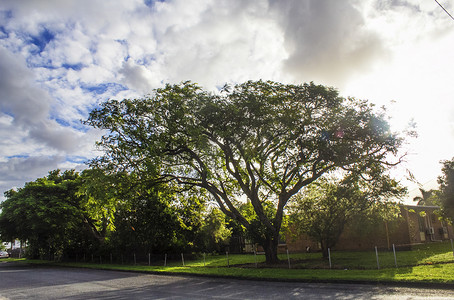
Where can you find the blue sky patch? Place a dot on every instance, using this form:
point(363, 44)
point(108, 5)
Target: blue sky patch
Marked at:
point(42, 39)
point(77, 159)
point(3, 32)
point(18, 156)
point(75, 67)
point(104, 87)
point(146, 60)
point(5, 15)
point(150, 3)
point(62, 122)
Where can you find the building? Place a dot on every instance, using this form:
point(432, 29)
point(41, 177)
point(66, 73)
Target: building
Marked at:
point(415, 225)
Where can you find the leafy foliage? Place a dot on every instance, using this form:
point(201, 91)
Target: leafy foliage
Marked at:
point(45, 212)
point(152, 221)
point(214, 235)
point(263, 140)
point(427, 198)
point(323, 209)
point(446, 182)
point(71, 214)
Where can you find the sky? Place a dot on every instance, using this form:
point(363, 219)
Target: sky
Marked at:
point(60, 59)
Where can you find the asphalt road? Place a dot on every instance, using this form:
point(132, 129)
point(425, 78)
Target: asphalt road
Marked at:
point(18, 281)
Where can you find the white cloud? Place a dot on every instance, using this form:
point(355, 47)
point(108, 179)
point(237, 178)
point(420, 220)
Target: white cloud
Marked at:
point(138, 77)
point(20, 96)
point(327, 41)
point(218, 42)
point(18, 170)
point(58, 59)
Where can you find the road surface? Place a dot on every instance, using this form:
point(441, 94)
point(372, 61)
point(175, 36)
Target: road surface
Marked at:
point(20, 281)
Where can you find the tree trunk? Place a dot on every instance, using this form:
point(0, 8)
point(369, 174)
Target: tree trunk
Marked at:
point(325, 252)
point(270, 248)
point(324, 245)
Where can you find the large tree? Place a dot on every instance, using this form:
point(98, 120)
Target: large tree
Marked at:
point(263, 141)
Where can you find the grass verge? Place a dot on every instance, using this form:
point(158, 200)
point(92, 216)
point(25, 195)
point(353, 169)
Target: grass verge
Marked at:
point(429, 264)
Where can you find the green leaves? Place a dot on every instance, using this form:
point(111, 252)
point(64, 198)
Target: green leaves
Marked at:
point(43, 212)
point(261, 139)
point(446, 182)
point(323, 208)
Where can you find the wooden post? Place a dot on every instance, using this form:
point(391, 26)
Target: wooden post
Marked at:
point(452, 247)
point(376, 254)
point(288, 258)
point(182, 259)
point(395, 257)
point(329, 258)
point(255, 258)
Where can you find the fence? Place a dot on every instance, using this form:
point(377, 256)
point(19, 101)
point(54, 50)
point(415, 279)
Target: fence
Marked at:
point(398, 256)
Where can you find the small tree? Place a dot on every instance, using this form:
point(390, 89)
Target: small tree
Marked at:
point(323, 209)
point(427, 198)
point(213, 235)
point(446, 182)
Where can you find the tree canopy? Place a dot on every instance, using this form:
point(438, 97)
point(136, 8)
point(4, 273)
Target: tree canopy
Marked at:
point(263, 141)
point(45, 212)
point(69, 214)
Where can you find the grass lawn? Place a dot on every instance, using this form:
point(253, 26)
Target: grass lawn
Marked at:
point(429, 263)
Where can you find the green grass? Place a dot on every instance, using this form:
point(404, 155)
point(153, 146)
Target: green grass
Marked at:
point(429, 263)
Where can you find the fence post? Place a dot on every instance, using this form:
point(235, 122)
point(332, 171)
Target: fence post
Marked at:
point(288, 258)
point(135, 261)
point(111, 259)
point(228, 263)
point(452, 247)
point(329, 258)
point(376, 254)
point(204, 259)
point(165, 260)
point(182, 259)
point(395, 257)
point(255, 258)
point(149, 259)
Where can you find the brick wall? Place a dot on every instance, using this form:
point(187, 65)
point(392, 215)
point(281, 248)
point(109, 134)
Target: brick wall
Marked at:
point(411, 227)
